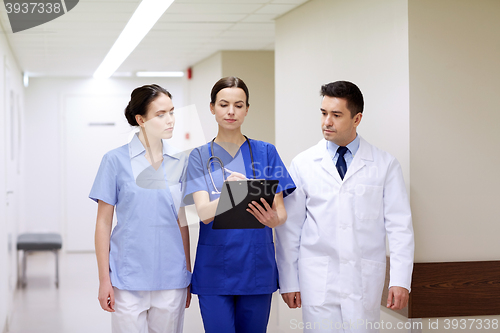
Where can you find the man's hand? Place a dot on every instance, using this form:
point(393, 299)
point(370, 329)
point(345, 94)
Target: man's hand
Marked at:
point(292, 299)
point(398, 298)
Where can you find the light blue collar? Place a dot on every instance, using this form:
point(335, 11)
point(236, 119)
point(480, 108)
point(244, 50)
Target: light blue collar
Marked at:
point(353, 146)
point(136, 148)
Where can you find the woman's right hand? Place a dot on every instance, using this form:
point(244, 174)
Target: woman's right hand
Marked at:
point(106, 296)
point(102, 234)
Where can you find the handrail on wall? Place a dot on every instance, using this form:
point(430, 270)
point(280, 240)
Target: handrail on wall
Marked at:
point(452, 289)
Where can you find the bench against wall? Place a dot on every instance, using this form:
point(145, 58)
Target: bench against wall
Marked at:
point(30, 242)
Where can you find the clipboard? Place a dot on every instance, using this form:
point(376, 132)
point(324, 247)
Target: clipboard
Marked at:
point(234, 199)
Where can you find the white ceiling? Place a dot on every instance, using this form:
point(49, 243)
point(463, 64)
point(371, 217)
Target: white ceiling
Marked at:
point(189, 31)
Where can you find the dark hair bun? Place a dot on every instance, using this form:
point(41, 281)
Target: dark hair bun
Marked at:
point(130, 116)
point(140, 99)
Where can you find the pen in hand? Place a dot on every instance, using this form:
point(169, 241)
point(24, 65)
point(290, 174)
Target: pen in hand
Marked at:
point(234, 175)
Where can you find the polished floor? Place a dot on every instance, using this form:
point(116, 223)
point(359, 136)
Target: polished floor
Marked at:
point(40, 307)
point(72, 308)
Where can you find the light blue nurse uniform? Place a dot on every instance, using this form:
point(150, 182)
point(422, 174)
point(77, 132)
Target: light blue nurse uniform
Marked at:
point(146, 249)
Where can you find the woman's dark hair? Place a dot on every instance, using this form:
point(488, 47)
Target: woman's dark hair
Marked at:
point(347, 90)
point(140, 99)
point(228, 82)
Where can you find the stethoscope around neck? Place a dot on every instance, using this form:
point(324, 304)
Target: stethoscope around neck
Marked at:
point(212, 159)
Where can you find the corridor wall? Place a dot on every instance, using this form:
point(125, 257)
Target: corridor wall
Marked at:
point(11, 147)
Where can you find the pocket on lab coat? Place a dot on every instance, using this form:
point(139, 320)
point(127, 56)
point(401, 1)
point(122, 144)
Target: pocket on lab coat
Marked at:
point(209, 266)
point(368, 201)
point(312, 279)
point(372, 279)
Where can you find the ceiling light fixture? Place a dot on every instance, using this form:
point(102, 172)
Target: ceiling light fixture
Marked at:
point(143, 19)
point(159, 74)
point(122, 74)
point(26, 79)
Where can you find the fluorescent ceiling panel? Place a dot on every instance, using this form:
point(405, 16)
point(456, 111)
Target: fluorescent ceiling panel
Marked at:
point(143, 19)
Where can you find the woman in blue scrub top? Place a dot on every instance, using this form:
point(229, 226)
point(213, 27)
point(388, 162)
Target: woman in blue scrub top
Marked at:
point(144, 266)
point(235, 270)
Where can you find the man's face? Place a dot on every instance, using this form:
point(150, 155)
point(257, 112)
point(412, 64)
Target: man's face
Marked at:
point(336, 121)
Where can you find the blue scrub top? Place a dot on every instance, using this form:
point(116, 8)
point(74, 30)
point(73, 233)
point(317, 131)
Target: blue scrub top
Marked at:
point(146, 249)
point(235, 261)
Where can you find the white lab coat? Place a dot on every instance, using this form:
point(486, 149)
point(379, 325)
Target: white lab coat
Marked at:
point(334, 240)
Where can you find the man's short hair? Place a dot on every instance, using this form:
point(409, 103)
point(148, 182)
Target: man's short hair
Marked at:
point(348, 91)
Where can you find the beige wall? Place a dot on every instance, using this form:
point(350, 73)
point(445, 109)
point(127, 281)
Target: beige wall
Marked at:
point(455, 131)
point(205, 74)
point(362, 41)
point(256, 68)
point(455, 137)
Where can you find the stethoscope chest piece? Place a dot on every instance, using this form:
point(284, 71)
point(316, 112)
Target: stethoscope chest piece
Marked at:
point(215, 159)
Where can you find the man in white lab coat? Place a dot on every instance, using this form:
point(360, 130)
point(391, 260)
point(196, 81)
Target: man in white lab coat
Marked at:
point(331, 252)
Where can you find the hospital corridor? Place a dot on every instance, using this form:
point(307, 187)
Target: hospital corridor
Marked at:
point(117, 116)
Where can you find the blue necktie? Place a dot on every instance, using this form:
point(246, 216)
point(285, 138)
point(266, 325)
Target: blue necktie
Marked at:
point(341, 164)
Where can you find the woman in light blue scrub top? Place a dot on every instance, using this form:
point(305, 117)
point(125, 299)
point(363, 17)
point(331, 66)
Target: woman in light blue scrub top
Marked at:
point(235, 270)
point(144, 266)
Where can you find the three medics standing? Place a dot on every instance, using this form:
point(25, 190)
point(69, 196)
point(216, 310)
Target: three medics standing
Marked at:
point(330, 251)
